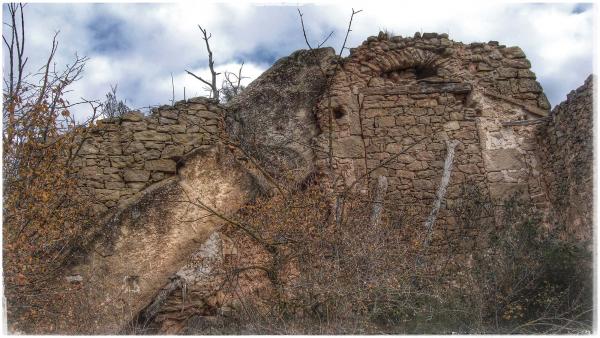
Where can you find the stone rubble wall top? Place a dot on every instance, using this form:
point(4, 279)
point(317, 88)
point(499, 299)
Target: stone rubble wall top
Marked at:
point(122, 156)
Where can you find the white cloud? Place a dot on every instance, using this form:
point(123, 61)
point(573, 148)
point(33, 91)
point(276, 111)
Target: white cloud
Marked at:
point(156, 40)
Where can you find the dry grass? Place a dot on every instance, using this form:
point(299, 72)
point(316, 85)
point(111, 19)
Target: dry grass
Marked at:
point(360, 279)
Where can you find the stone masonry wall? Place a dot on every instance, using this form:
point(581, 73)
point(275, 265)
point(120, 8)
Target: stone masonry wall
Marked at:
point(122, 156)
point(566, 149)
point(397, 100)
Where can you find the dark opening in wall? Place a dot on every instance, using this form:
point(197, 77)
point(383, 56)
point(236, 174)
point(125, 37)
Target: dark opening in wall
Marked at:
point(417, 72)
point(425, 71)
point(179, 162)
point(338, 112)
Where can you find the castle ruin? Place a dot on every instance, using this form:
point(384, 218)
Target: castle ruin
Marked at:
point(393, 108)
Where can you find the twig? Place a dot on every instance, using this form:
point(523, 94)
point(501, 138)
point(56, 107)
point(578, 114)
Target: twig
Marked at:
point(304, 30)
point(198, 77)
point(327, 38)
point(173, 88)
point(349, 30)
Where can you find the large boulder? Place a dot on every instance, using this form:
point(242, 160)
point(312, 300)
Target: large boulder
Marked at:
point(149, 238)
point(273, 119)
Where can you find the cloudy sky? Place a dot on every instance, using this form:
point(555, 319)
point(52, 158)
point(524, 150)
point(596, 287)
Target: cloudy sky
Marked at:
point(138, 46)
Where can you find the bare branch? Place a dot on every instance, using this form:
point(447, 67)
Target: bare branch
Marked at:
point(198, 77)
point(349, 30)
point(327, 38)
point(173, 88)
point(47, 69)
point(304, 30)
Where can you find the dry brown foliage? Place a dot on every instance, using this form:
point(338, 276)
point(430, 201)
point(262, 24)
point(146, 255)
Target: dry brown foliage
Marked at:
point(296, 270)
point(310, 275)
point(44, 211)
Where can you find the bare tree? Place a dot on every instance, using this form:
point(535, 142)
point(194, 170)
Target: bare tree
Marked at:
point(44, 210)
point(214, 91)
point(232, 84)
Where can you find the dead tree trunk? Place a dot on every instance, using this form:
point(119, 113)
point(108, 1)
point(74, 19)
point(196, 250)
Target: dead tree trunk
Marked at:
point(441, 192)
point(380, 191)
point(211, 65)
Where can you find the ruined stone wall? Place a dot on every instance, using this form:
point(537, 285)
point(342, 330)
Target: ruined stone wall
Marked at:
point(122, 156)
point(396, 101)
point(394, 104)
point(566, 150)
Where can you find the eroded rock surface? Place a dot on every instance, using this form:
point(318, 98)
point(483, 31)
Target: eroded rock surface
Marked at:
point(146, 243)
point(273, 119)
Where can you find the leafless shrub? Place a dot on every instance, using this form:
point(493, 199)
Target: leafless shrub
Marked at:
point(113, 107)
point(45, 213)
point(526, 279)
point(232, 85)
point(300, 272)
point(307, 274)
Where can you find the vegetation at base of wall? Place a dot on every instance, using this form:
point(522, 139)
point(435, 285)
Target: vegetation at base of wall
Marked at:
point(533, 281)
point(359, 278)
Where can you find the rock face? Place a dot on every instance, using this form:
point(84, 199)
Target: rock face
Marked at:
point(566, 150)
point(145, 243)
point(273, 119)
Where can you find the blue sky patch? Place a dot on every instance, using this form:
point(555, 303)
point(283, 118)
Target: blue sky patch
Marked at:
point(261, 55)
point(107, 33)
point(582, 7)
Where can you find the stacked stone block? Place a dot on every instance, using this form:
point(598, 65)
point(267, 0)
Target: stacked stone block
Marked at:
point(395, 101)
point(565, 144)
point(122, 156)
